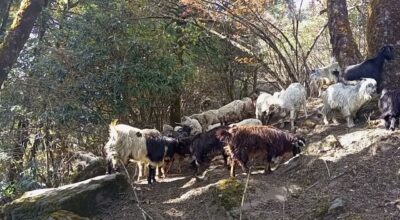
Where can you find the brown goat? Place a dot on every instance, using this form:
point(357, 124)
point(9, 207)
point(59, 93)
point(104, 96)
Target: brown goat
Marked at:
point(260, 141)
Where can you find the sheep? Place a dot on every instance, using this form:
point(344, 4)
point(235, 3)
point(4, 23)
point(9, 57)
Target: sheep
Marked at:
point(371, 68)
point(290, 100)
point(167, 130)
point(347, 99)
point(389, 106)
point(245, 122)
point(194, 125)
point(236, 111)
point(261, 106)
point(146, 146)
point(268, 142)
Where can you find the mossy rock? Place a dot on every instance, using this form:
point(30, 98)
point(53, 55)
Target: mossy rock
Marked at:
point(81, 198)
point(64, 215)
point(230, 192)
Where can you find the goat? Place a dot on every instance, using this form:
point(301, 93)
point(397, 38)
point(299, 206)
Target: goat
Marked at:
point(389, 106)
point(261, 106)
point(291, 100)
point(205, 146)
point(371, 68)
point(347, 99)
point(262, 141)
point(146, 146)
point(319, 81)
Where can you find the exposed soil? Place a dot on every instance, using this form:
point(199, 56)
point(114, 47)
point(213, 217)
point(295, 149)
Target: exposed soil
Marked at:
point(362, 168)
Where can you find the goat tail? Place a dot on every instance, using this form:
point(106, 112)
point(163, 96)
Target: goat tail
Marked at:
point(112, 128)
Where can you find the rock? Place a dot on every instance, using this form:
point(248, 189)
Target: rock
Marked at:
point(64, 215)
point(336, 208)
point(329, 143)
point(87, 165)
point(81, 198)
point(309, 124)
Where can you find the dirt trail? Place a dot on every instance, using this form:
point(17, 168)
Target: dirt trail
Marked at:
point(363, 170)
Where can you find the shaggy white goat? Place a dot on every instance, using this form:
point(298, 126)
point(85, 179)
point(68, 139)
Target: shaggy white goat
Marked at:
point(127, 142)
point(291, 99)
point(347, 99)
point(261, 106)
point(249, 121)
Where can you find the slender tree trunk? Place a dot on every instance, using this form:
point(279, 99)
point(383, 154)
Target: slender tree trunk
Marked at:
point(175, 111)
point(18, 34)
point(344, 47)
point(383, 28)
point(5, 6)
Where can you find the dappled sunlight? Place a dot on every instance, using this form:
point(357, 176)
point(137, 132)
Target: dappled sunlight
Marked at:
point(161, 180)
point(355, 142)
point(191, 194)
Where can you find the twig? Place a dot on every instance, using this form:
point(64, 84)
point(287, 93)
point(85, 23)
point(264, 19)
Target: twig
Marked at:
point(314, 184)
point(144, 213)
point(326, 164)
point(335, 177)
point(244, 192)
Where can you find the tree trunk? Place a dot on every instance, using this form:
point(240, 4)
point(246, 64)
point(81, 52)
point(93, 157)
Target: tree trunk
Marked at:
point(175, 110)
point(5, 6)
point(18, 34)
point(344, 47)
point(383, 28)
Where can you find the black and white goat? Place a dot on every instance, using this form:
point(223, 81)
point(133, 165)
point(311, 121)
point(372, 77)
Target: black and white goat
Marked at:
point(145, 146)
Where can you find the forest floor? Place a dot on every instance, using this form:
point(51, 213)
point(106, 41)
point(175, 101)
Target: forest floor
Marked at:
point(359, 168)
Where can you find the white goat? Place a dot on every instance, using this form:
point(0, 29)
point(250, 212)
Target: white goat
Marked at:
point(261, 106)
point(291, 99)
point(347, 99)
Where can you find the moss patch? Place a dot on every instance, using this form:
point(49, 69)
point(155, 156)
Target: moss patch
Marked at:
point(322, 209)
point(229, 193)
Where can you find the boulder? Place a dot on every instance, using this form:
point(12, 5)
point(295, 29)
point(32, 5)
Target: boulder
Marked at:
point(87, 165)
point(81, 198)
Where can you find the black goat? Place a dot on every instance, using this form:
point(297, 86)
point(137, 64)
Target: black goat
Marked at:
point(389, 106)
point(205, 146)
point(371, 68)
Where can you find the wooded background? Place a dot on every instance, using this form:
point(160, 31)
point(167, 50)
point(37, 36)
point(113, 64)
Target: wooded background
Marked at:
point(67, 68)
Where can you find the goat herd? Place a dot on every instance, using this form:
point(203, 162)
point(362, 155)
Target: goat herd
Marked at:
point(211, 133)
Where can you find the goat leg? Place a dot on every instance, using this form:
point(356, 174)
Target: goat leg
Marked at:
point(350, 122)
point(232, 172)
point(268, 166)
